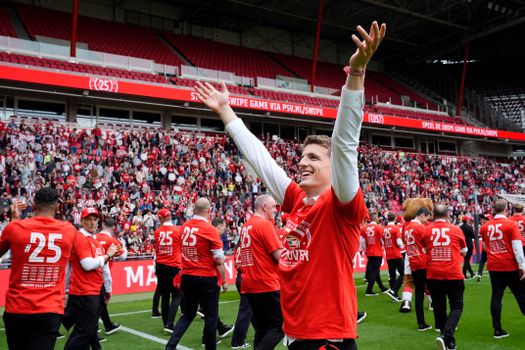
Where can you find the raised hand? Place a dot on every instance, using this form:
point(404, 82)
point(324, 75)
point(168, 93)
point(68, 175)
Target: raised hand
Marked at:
point(211, 97)
point(367, 47)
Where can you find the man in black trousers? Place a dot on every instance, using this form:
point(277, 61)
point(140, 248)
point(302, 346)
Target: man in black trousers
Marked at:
point(202, 259)
point(468, 232)
point(445, 244)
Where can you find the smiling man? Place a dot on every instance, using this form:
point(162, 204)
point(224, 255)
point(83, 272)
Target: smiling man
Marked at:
point(326, 208)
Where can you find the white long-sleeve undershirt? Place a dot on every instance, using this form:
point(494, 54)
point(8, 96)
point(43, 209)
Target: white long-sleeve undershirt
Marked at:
point(517, 247)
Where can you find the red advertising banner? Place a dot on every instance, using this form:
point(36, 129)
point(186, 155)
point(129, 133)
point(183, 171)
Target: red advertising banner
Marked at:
point(111, 85)
point(136, 276)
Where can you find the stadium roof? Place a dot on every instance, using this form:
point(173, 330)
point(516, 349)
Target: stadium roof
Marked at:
point(418, 29)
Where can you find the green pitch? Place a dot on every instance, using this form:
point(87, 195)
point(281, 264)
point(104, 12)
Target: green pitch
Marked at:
point(384, 328)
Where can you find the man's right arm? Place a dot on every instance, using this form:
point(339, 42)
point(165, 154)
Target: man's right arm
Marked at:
point(273, 176)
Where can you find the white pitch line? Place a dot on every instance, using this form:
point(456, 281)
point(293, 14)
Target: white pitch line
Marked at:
point(130, 313)
point(146, 311)
point(2, 329)
point(151, 337)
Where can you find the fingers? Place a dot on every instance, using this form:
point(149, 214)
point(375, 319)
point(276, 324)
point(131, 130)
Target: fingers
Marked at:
point(210, 87)
point(223, 87)
point(365, 35)
point(358, 42)
point(201, 89)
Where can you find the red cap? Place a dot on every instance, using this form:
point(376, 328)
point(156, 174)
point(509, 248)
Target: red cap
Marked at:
point(466, 218)
point(89, 211)
point(164, 213)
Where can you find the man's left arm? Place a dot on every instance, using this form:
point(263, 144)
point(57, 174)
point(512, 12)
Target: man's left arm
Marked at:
point(347, 128)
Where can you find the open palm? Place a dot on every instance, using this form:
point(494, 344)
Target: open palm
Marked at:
point(211, 97)
point(366, 48)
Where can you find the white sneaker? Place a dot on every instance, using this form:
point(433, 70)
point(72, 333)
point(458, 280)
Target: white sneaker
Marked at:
point(440, 343)
point(243, 346)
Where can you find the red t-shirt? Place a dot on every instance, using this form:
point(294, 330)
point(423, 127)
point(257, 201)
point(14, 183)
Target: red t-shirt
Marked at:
point(40, 249)
point(413, 233)
point(498, 235)
point(106, 240)
point(199, 238)
point(254, 258)
point(390, 235)
point(372, 233)
point(167, 245)
point(315, 269)
point(84, 282)
point(443, 243)
point(520, 220)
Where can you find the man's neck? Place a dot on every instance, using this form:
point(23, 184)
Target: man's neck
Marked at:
point(314, 192)
point(46, 214)
point(259, 215)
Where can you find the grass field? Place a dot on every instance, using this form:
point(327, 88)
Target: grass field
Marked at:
point(384, 328)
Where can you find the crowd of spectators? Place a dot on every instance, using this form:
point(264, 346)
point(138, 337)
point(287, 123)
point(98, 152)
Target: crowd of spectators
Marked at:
point(129, 174)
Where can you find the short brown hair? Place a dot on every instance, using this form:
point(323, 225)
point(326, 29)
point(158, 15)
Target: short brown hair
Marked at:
point(321, 140)
point(500, 205)
point(518, 207)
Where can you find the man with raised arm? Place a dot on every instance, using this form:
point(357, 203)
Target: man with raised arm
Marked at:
point(325, 207)
point(40, 249)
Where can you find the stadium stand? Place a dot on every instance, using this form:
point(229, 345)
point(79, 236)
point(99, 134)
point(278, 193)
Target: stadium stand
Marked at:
point(230, 58)
point(119, 39)
point(6, 27)
point(135, 41)
point(81, 68)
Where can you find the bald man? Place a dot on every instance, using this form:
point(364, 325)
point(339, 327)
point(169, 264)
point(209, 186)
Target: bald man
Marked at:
point(257, 257)
point(202, 259)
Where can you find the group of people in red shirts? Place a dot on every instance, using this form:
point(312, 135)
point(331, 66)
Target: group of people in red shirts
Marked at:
point(432, 252)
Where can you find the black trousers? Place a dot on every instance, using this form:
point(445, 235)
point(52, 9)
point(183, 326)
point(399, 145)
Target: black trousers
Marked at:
point(156, 300)
point(440, 290)
point(165, 276)
point(395, 282)
point(482, 261)
point(499, 281)
point(346, 344)
point(31, 331)
point(244, 316)
point(267, 319)
point(198, 290)
point(104, 314)
point(466, 263)
point(85, 312)
point(374, 273)
point(420, 278)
